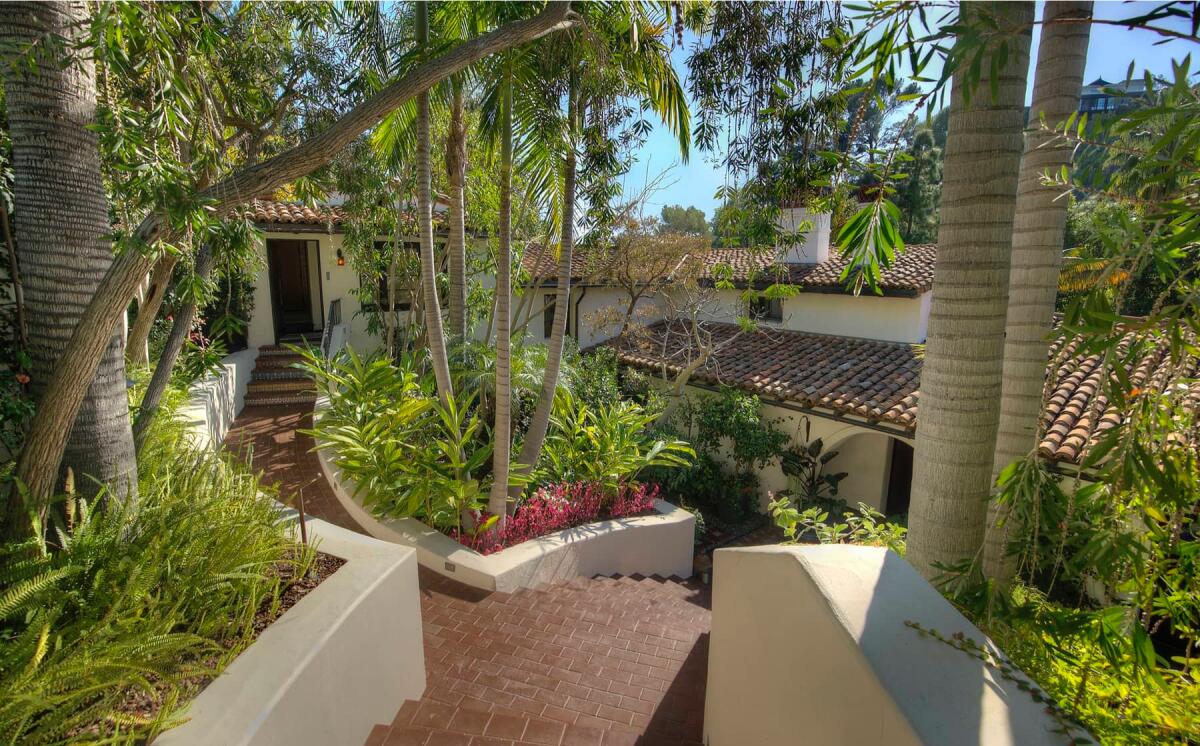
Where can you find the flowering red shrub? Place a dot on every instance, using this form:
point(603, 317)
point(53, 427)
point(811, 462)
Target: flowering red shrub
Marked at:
point(558, 507)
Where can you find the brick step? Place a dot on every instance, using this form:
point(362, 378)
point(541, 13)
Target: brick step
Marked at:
point(281, 360)
point(278, 374)
point(279, 399)
point(428, 722)
point(269, 350)
point(299, 385)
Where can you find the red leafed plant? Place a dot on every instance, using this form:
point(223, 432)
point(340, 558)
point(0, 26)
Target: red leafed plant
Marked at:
point(557, 507)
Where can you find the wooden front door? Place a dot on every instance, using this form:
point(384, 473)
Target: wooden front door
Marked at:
point(291, 293)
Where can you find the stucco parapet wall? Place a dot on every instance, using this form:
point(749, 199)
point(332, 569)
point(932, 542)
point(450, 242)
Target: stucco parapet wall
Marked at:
point(820, 633)
point(332, 666)
point(659, 544)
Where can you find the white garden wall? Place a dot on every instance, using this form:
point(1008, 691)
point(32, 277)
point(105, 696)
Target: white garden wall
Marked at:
point(215, 401)
point(810, 645)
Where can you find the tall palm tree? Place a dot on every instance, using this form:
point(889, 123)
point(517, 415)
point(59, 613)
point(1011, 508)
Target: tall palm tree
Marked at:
point(961, 377)
point(433, 310)
point(61, 220)
point(456, 245)
point(640, 64)
point(502, 429)
point(1037, 245)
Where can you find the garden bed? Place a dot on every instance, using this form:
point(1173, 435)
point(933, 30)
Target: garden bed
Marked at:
point(659, 543)
point(361, 625)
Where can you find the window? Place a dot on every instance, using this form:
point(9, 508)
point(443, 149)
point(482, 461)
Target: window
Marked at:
point(548, 317)
point(766, 309)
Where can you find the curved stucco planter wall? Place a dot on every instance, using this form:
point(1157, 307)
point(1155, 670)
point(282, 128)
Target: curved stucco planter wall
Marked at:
point(339, 661)
point(659, 544)
point(814, 641)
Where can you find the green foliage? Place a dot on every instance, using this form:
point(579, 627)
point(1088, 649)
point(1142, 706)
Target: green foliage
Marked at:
point(406, 452)
point(734, 419)
point(135, 600)
point(804, 466)
point(594, 380)
point(609, 446)
point(865, 526)
point(689, 221)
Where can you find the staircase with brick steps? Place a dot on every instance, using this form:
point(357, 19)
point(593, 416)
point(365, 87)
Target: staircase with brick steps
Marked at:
point(598, 661)
point(275, 381)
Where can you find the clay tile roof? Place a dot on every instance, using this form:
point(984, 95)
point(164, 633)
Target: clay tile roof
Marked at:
point(270, 213)
point(879, 381)
point(1077, 413)
point(866, 378)
point(540, 260)
point(910, 274)
point(285, 213)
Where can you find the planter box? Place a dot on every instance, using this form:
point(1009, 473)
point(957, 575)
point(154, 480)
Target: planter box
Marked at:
point(659, 544)
point(335, 664)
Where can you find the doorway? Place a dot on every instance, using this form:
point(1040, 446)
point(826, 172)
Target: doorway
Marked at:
point(899, 492)
point(294, 282)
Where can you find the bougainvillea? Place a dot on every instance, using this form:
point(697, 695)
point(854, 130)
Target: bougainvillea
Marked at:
point(558, 507)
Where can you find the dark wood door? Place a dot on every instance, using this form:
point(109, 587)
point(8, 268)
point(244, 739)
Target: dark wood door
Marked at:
point(291, 293)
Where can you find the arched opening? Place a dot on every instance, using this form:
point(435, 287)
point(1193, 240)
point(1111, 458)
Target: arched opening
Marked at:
point(878, 470)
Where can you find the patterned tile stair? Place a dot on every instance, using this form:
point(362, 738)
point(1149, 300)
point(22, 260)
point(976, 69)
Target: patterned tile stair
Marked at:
point(599, 661)
point(274, 381)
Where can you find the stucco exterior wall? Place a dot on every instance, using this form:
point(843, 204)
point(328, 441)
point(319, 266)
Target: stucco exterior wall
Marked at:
point(812, 645)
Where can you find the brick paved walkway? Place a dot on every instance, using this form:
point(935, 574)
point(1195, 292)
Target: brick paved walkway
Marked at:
point(285, 457)
point(597, 661)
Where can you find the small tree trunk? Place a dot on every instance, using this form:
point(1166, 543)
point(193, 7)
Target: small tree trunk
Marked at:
point(77, 366)
point(170, 353)
point(433, 312)
point(1038, 228)
point(61, 224)
point(502, 431)
point(961, 377)
point(531, 448)
point(138, 347)
point(456, 167)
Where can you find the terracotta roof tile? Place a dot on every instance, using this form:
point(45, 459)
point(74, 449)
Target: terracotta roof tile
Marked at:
point(284, 213)
point(911, 273)
point(273, 213)
point(879, 381)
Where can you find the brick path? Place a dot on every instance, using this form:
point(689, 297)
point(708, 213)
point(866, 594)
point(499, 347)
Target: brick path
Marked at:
point(285, 457)
point(596, 661)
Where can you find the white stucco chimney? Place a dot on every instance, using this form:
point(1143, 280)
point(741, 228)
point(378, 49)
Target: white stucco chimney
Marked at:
point(808, 247)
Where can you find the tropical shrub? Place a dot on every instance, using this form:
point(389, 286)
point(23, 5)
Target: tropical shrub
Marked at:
point(804, 466)
point(865, 526)
point(558, 507)
point(138, 602)
point(734, 420)
point(608, 446)
point(407, 453)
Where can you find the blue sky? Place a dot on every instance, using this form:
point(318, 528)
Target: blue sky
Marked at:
point(1109, 54)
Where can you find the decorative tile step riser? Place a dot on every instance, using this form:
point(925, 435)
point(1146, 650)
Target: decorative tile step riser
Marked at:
point(277, 361)
point(298, 386)
point(273, 401)
point(280, 374)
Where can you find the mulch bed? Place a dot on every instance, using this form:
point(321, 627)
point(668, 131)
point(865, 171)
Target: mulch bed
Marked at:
point(142, 704)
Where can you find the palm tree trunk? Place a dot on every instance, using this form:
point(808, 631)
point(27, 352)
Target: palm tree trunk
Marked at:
point(531, 448)
point(82, 357)
point(456, 167)
point(61, 222)
point(502, 430)
point(1038, 228)
point(137, 348)
point(170, 353)
point(961, 377)
point(433, 312)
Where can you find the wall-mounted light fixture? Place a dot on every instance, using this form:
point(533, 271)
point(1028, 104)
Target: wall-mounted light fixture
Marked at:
point(341, 258)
